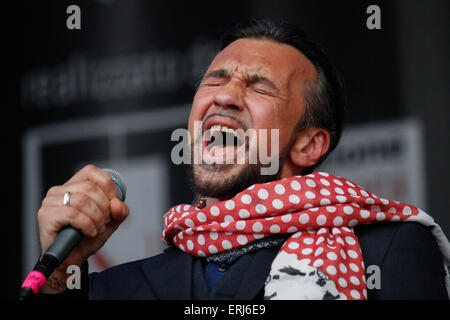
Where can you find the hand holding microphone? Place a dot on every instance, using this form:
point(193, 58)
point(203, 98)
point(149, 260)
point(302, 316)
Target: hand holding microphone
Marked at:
point(75, 220)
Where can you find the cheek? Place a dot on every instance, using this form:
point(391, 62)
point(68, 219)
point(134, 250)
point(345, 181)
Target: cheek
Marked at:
point(264, 113)
point(200, 105)
point(270, 116)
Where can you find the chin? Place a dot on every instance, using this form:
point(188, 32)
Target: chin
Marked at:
point(224, 181)
point(220, 181)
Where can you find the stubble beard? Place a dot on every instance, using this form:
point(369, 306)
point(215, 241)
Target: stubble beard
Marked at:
point(219, 181)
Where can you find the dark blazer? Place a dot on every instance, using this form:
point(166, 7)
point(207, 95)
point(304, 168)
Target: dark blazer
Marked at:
point(406, 252)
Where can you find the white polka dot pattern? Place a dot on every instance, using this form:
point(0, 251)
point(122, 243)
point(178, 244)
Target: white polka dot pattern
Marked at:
point(321, 208)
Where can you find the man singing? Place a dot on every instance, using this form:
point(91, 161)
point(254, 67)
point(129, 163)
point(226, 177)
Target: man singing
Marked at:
point(290, 234)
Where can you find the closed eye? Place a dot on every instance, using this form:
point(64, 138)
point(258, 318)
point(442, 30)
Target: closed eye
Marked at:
point(261, 84)
point(212, 84)
point(292, 271)
point(262, 92)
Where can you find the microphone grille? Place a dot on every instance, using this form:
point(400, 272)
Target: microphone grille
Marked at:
point(119, 183)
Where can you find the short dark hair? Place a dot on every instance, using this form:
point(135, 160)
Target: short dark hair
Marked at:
point(324, 97)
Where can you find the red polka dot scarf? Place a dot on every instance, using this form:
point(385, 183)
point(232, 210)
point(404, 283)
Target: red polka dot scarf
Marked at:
point(322, 258)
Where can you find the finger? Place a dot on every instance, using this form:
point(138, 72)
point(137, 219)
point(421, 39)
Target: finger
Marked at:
point(99, 177)
point(57, 217)
point(83, 203)
point(86, 187)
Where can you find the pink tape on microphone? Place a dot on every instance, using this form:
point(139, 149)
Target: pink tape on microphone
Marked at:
point(34, 280)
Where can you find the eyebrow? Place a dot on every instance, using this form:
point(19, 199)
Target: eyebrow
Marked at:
point(219, 73)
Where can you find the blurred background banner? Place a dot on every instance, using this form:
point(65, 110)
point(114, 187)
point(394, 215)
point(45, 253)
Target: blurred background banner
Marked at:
point(112, 92)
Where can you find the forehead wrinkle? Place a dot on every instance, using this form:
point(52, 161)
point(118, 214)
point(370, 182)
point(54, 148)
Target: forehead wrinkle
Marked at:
point(237, 65)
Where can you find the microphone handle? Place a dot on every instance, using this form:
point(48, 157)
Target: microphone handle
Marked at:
point(66, 240)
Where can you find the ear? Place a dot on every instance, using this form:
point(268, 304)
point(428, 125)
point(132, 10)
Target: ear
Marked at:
point(310, 145)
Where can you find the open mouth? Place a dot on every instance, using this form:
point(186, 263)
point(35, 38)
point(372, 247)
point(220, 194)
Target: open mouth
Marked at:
point(222, 140)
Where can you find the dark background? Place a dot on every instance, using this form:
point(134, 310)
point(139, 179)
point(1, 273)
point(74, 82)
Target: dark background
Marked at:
point(400, 71)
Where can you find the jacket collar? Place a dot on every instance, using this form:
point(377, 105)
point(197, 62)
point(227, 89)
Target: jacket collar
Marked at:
point(170, 274)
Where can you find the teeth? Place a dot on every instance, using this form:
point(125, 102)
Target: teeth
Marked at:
point(213, 147)
point(219, 128)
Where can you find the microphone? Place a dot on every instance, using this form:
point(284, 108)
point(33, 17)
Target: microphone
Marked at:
point(66, 240)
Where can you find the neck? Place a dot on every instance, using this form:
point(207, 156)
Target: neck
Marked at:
point(211, 201)
point(287, 171)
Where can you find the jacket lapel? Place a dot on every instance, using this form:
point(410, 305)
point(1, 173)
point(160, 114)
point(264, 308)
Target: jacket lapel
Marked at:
point(170, 275)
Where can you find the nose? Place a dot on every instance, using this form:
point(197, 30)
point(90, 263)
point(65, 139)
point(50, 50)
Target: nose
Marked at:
point(230, 95)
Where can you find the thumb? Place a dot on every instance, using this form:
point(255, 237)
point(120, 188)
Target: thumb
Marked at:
point(119, 209)
point(119, 212)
